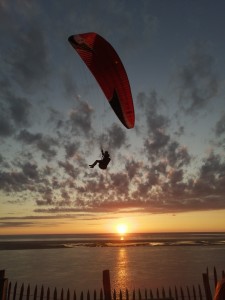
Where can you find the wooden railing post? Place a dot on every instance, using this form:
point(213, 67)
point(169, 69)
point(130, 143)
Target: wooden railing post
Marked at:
point(208, 294)
point(3, 285)
point(107, 285)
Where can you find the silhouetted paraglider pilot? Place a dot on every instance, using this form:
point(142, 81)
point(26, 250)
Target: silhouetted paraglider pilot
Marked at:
point(102, 163)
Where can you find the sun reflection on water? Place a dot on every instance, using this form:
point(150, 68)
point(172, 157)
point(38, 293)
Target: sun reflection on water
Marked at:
point(121, 269)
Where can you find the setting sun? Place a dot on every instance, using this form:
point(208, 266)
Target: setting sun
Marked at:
point(122, 228)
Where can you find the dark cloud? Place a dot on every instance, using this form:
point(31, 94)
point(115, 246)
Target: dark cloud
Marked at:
point(159, 188)
point(151, 102)
point(81, 119)
point(156, 189)
point(156, 138)
point(24, 178)
point(156, 122)
point(47, 196)
point(154, 145)
point(71, 149)
point(220, 126)
point(133, 168)
point(30, 170)
point(15, 111)
point(66, 198)
point(6, 127)
point(16, 224)
point(45, 144)
point(212, 176)
point(20, 110)
point(55, 118)
point(5, 86)
point(160, 166)
point(29, 59)
point(59, 210)
point(29, 138)
point(69, 169)
point(116, 136)
point(180, 131)
point(158, 144)
point(198, 82)
point(120, 183)
point(69, 86)
point(13, 181)
point(37, 217)
point(177, 156)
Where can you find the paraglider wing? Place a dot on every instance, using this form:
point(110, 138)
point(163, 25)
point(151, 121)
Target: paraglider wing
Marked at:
point(107, 68)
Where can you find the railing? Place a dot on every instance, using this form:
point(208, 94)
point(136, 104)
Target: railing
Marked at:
point(8, 291)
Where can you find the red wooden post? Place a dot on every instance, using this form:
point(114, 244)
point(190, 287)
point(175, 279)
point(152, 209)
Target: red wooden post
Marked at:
point(107, 285)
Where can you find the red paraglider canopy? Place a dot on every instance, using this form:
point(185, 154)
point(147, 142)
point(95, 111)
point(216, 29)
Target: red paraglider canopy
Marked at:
point(107, 68)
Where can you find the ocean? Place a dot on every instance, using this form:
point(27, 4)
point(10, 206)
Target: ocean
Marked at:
point(136, 261)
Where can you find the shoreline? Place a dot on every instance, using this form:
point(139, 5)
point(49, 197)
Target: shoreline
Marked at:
point(65, 244)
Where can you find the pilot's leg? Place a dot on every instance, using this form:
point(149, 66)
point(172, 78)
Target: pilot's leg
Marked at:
point(94, 164)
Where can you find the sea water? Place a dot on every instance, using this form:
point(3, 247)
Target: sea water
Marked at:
point(143, 261)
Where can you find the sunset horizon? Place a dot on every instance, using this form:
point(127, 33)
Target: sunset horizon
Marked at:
point(176, 224)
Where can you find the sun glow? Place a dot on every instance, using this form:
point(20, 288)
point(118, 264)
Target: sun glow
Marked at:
point(122, 229)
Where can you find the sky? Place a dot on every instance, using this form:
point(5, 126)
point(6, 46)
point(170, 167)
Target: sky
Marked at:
point(167, 174)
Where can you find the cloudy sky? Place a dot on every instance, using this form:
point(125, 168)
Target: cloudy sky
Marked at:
point(166, 174)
